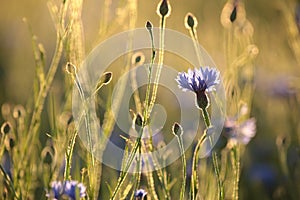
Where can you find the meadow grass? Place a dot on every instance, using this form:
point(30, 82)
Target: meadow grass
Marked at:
point(56, 164)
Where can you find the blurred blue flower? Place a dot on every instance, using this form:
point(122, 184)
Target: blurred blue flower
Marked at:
point(199, 80)
point(57, 190)
point(70, 189)
point(240, 133)
point(140, 194)
point(282, 87)
point(73, 189)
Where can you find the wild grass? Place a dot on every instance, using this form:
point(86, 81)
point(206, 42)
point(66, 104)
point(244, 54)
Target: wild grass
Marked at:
point(39, 164)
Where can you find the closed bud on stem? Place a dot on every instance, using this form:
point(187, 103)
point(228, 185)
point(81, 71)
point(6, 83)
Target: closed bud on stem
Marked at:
point(138, 123)
point(202, 100)
point(5, 128)
point(164, 9)
point(19, 112)
point(233, 14)
point(149, 25)
point(106, 78)
point(177, 129)
point(190, 21)
point(137, 59)
point(47, 155)
point(71, 69)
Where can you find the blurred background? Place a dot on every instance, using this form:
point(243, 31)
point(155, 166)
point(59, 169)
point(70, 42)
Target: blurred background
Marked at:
point(276, 99)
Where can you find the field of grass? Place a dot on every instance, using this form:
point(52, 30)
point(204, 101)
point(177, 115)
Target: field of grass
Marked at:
point(229, 114)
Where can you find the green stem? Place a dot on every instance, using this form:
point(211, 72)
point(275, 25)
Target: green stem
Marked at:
point(138, 172)
point(193, 33)
point(86, 117)
point(214, 156)
point(206, 117)
point(160, 62)
point(9, 183)
point(217, 172)
point(69, 155)
point(183, 160)
point(39, 104)
point(146, 110)
point(236, 170)
point(128, 164)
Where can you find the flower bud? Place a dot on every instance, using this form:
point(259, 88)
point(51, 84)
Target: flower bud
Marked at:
point(138, 123)
point(5, 128)
point(149, 25)
point(177, 129)
point(233, 15)
point(190, 21)
point(19, 112)
point(71, 69)
point(202, 101)
point(106, 78)
point(137, 59)
point(164, 9)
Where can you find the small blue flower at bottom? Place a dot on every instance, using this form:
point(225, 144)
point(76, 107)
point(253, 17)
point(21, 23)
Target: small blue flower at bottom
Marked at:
point(200, 81)
point(57, 190)
point(140, 194)
point(73, 189)
point(69, 189)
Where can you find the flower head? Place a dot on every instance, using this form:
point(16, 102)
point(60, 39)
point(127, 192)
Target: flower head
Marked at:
point(200, 81)
point(73, 189)
point(70, 189)
point(140, 194)
point(240, 133)
point(57, 190)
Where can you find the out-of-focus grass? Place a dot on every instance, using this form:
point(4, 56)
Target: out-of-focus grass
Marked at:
point(262, 174)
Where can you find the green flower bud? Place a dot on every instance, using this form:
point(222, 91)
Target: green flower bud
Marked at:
point(177, 129)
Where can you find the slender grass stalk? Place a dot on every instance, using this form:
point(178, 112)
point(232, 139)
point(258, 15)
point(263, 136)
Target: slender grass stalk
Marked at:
point(162, 179)
point(135, 63)
point(147, 112)
point(69, 155)
point(10, 184)
point(178, 131)
point(235, 159)
point(217, 172)
point(73, 72)
point(194, 179)
point(183, 160)
point(191, 24)
point(124, 173)
point(138, 171)
point(163, 10)
point(150, 181)
point(61, 33)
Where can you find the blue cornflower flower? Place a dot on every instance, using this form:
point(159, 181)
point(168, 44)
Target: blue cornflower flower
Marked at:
point(73, 189)
point(70, 189)
point(140, 194)
point(200, 81)
point(57, 190)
